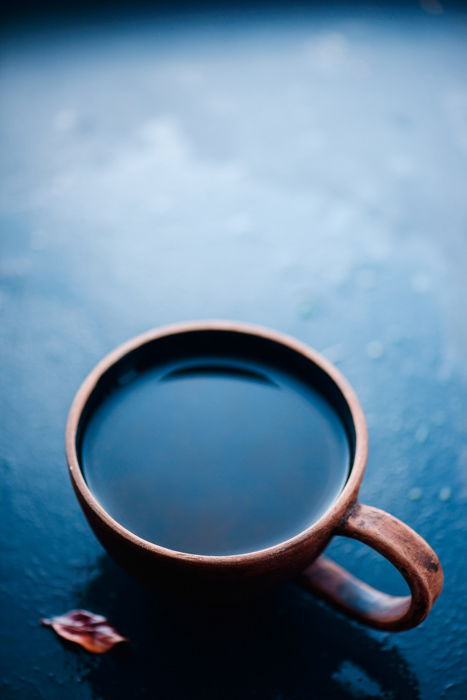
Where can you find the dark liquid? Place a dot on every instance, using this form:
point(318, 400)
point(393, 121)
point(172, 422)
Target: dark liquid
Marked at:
point(215, 459)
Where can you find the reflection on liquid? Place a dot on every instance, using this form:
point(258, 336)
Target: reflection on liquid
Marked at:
point(284, 645)
point(215, 369)
point(212, 461)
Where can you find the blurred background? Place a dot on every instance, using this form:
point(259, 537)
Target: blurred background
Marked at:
point(300, 166)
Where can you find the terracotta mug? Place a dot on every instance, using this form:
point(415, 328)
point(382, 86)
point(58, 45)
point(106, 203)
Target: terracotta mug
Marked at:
point(299, 556)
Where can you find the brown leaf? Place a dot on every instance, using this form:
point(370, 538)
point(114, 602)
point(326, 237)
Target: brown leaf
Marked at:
point(93, 632)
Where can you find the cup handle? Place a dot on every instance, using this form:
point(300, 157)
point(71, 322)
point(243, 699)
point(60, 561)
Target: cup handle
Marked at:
point(409, 553)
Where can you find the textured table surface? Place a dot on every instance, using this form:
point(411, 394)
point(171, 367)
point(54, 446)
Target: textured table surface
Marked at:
point(307, 172)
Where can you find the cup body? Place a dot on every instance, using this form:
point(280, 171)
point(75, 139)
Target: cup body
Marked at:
point(218, 575)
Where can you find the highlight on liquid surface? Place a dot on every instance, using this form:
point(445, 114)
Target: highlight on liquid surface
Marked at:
point(213, 457)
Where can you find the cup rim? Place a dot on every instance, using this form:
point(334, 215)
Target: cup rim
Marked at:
point(340, 505)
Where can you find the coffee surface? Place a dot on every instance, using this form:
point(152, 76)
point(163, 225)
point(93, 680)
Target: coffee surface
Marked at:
point(213, 457)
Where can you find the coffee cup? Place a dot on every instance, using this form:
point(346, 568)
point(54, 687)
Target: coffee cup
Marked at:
point(221, 345)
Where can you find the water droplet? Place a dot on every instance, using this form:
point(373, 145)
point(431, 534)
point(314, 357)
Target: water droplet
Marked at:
point(400, 165)
point(375, 349)
point(421, 434)
point(445, 493)
point(400, 467)
point(415, 494)
point(240, 224)
point(306, 309)
point(65, 120)
point(420, 282)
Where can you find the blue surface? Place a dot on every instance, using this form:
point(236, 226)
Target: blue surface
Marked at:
point(307, 172)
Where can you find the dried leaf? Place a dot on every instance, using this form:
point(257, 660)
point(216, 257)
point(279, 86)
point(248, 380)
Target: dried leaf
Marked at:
point(93, 632)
